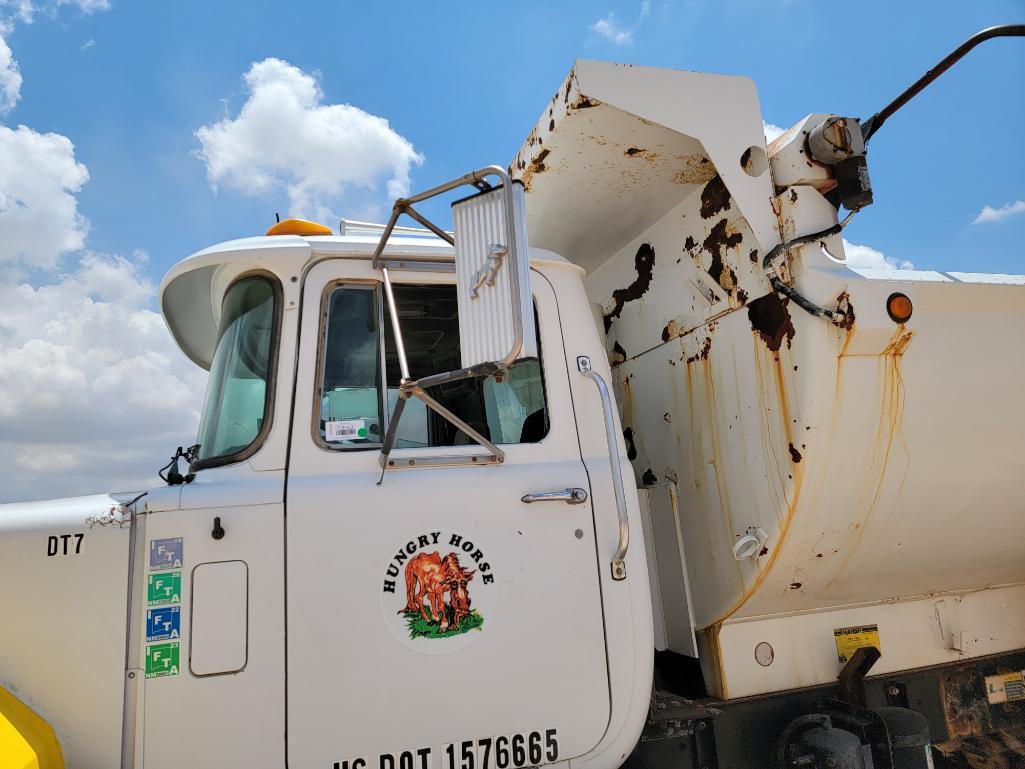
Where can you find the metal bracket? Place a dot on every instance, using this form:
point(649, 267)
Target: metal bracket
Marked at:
point(852, 676)
point(410, 388)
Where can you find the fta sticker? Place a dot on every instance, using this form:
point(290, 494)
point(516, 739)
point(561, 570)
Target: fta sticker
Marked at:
point(163, 624)
point(165, 554)
point(163, 588)
point(345, 430)
point(163, 660)
point(850, 639)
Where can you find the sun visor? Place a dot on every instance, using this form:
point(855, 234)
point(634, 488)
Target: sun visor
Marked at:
point(191, 293)
point(619, 146)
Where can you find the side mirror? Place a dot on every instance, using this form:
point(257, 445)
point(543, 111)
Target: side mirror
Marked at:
point(496, 313)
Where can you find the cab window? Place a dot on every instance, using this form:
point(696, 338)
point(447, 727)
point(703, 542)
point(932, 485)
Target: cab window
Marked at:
point(360, 376)
point(237, 408)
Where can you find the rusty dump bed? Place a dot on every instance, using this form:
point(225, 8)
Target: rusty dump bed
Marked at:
point(878, 465)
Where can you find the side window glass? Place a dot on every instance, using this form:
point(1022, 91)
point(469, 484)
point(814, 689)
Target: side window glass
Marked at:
point(513, 410)
point(359, 380)
point(350, 405)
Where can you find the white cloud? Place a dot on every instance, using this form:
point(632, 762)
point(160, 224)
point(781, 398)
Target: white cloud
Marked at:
point(39, 218)
point(286, 138)
point(990, 214)
point(26, 10)
point(772, 131)
point(868, 258)
point(40, 459)
point(611, 31)
point(91, 42)
point(95, 394)
point(10, 78)
point(86, 6)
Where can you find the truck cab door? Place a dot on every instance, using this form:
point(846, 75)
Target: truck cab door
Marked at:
point(435, 620)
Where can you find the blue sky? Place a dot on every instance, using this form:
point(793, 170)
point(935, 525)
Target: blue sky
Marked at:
point(465, 83)
point(135, 133)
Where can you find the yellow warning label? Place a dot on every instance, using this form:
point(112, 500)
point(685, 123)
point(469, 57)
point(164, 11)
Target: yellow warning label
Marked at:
point(1006, 687)
point(850, 639)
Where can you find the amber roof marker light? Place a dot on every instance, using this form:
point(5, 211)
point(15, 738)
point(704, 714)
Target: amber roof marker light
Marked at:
point(899, 308)
point(298, 227)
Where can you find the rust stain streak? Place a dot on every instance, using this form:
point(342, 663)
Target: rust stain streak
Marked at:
point(788, 517)
point(891, 412)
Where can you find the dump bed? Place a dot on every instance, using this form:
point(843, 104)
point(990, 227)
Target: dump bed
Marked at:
point(854, 475)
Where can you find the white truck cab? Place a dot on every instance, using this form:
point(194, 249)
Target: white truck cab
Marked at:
point(304, 378)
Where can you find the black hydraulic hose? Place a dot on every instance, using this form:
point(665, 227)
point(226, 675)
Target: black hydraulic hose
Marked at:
point(874, 123)
point(782, 288)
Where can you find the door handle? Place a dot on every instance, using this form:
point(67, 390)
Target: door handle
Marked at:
point(569, 496)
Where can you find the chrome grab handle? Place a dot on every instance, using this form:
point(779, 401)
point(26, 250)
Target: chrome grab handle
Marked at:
point(618, 560)
point(569, 496)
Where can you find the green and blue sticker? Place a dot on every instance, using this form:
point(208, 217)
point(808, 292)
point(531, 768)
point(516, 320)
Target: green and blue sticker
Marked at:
point(163, 620)
point(163, 624)
point(164, 587)
point(163, 660)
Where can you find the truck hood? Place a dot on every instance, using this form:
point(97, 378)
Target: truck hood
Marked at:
point(64, 576)
point(89, 511)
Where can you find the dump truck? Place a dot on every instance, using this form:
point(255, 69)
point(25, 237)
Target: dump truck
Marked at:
point(627, 467)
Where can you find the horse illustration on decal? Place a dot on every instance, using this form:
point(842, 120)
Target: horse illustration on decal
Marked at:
point(433, 577)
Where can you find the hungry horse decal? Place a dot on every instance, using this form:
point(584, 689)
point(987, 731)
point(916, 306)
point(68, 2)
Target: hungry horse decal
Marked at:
point(430, 576)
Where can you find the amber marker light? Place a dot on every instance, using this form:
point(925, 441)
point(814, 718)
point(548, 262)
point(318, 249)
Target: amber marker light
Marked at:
point(298, 227)
point(899, 308)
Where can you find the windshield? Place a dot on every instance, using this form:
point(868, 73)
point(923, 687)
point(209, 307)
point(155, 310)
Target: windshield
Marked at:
point(236, 394)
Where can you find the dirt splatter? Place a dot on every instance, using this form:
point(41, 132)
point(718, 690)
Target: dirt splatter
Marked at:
point(753, 256)
point(690, 244)
point(537, 165)
point(649, 478)
point(628, 438)
point(795, 455)
point(644, 261)
point(702, 354)
point(633, 151)
point(795, 585)
point(714, 198)
point(742, 296)
point(618, 354)
point(844, 306)
point(719, 240)
point(771, 319)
